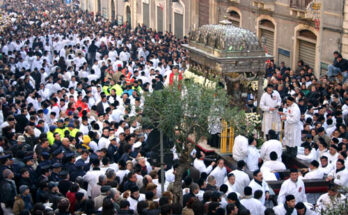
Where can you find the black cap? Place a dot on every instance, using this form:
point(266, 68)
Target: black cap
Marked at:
point(57, 152)
point(5, 157)
point(63, 173)
point(45, 155)
point(56, 165)
point(28, 158)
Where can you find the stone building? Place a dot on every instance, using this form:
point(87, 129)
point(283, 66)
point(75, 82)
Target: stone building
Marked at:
point(289, 28)
point(286, 27)
point(178, 16)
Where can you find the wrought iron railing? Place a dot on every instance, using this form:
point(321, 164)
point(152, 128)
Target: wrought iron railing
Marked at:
point(299, 4)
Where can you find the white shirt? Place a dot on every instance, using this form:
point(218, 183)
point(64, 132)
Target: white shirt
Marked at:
point(199, 165)
point(264, 188)
point(331, 158)
point(252, 159)
point(133, 203)
point(340, 177)
point(231, 188)
point(219, 174)
point(92, 178)
point(242, 180)
point(314, 174)
point(271, 119)
point(103, 143)
point(274, 165)
point(254, 206)
point(271, 146)
point(295, 188)
point(280, 210)
point(326, 170)
point(292, 130)
point(240, 148)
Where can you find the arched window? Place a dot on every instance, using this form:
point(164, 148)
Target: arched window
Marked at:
point(306, 49)
point(266, 34)
point(234, 17)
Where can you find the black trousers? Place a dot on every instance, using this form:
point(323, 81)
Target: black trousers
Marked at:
point(214, 140)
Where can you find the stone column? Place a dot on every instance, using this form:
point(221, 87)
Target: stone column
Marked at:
point(345, 32)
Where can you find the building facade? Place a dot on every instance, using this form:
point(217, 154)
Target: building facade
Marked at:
point(177, 16)
point(289, 29)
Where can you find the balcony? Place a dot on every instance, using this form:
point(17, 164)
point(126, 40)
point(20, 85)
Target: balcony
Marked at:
point(298, 8)
point(265, 4)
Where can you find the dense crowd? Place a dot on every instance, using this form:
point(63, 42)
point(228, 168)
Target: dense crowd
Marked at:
point(71, 141)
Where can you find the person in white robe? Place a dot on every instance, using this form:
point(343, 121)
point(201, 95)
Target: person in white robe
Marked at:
point(92, 177)
point(287, 206)
point(259, 184)
point(231, 184)
point(253, 157)
point(271, 145)
point(199, 164)
point(292, 129)
point(274, 164)
point(314, 171)
point(327, 200)
point(294, 186)
point(332, 154)
point(305, 208)
point(339, 175)
point(240, 148)
point(325, 167)
point(219, 173)
point(242, 178)
point(269, 104)
point(253, 205)
point(134, 198)
point(309, 154)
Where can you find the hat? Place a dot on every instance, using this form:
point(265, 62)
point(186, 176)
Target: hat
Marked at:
point(5, 157)
point(45, 155)
point(71, 124)
point(69, 155)
point(21, 138)
point(28, 158)
point(52, 184)
point(63, 173)
point(52, 128)
point(56, 165)
point(61, 121)
point(57, 152)
point(86, 139)
point(23, 188)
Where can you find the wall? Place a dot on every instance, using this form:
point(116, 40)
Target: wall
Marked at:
point(286, 24)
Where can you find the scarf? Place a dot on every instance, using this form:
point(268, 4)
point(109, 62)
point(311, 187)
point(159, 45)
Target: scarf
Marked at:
point(288, 210)
point(259, 182)
point(339, 170)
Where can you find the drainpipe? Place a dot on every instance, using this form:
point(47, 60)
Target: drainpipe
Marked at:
point(321, 29)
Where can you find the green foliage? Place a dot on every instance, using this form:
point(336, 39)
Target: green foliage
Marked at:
point(180, 111)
